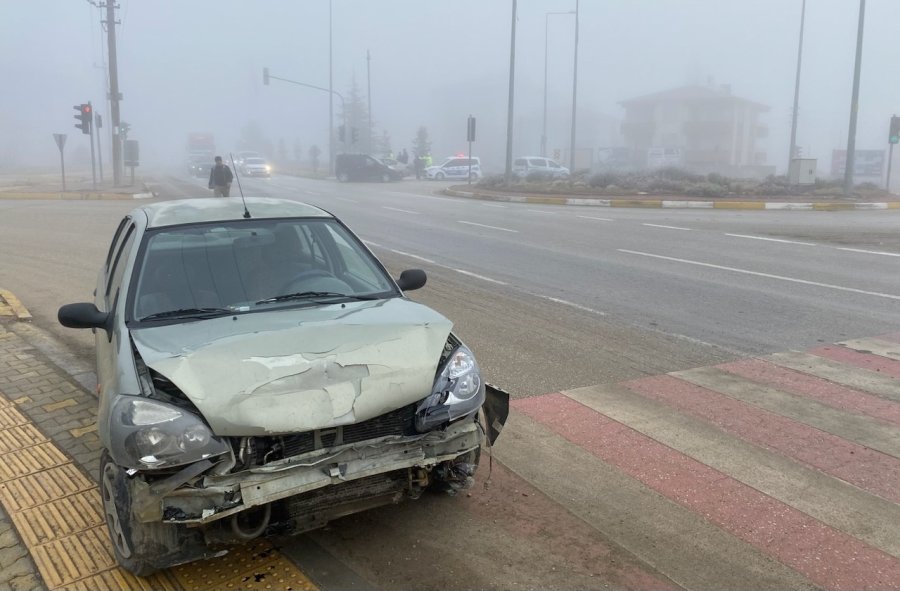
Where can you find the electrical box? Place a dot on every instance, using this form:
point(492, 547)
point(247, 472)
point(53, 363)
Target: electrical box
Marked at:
point(803, 171)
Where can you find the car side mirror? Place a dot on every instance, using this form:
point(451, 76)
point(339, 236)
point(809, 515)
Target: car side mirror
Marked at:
point(412, 279)
point(84, 315)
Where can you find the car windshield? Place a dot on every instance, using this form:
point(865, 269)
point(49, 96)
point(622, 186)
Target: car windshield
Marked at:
point(255, 161)
point(193, 272)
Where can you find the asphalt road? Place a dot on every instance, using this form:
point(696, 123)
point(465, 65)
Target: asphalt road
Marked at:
point(550, 298)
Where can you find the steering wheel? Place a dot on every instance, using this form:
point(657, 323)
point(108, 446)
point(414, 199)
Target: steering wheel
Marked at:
point(286, 287)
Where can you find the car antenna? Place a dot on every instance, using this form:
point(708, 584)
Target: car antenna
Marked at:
point(244, 201)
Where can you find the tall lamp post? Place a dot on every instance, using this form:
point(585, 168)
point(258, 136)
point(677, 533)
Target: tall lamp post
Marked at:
point(574, 94)
point(793, 153)
point(546, 52)
point(333, 93)
point(854, 104)
point(512, 87)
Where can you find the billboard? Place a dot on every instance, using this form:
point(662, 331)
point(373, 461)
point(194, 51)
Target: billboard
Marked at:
point(867, 164)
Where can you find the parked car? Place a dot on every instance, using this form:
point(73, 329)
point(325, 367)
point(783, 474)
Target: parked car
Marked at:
point(455, 168)
point(253, 166)
point(542, 167)
point(260, 371)
point(363, 167)
point(395, 164)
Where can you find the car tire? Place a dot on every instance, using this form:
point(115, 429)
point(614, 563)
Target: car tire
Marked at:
point(439, 176)
point(141, 548)
point(474, 176)
point(386, 178)
point(343, 177)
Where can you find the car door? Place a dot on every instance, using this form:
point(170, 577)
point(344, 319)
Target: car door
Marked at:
point(110, 297)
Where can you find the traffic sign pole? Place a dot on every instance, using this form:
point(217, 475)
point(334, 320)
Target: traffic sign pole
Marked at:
point(60, 143)
point(887, 183)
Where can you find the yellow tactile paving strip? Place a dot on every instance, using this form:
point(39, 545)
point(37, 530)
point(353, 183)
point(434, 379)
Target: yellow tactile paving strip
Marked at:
point(11, 306)
point(58, 514)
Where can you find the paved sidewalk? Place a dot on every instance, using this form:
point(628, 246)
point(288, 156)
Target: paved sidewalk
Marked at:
point(805, 203)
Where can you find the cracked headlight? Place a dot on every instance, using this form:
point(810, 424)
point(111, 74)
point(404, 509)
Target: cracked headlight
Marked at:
point(458, 392)
point(148, 434)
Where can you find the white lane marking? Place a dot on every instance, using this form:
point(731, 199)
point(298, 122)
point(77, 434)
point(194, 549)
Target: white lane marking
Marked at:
point(486, 226)
point(400, 210)
point(541, 211)
point(770, 239)
point(371, 244)
point(494, 205)
point(476, 276)
point(573, 305)
point(587, 217)
point(345, 199)
point(887, 254)
point(766, 275)
point(311, 192)
point(667, 227)
point(414, 256)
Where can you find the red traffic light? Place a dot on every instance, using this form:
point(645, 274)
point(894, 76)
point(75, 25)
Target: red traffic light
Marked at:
point(85, 108)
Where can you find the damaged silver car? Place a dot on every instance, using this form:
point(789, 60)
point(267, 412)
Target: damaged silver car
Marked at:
point(260, 372)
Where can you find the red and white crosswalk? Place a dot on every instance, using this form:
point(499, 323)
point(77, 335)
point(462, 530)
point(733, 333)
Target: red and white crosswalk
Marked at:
point(774, 472)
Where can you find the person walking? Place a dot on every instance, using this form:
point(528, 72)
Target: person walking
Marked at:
point(220, 178)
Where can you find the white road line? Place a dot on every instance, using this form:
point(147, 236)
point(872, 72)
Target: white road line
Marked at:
point(400, 210)
point(770, 239)
point(476, 276)
point(345, 199)
point(667, 227)
point(371, 244)
point(887, 254)
point(572, 305)
point(587, 217)
point(541, 211)
point(486, 226)
point(766, 275)
point(413, 256)
point(494, 205)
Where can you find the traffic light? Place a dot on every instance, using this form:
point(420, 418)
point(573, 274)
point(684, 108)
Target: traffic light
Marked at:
point(355, 135)
point(85, 116)
point(894, 136)
point(342, 133)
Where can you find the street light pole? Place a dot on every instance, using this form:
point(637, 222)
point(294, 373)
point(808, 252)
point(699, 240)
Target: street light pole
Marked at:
point(331, 94)
point(854, 104)
point(793, 152)
point(574, 94)
point(512, 86)
point(546, 52)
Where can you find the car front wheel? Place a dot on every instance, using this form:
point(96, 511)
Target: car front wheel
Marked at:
point(439, 176)
point(343, 177)
point(142, 548)
point(386, 178)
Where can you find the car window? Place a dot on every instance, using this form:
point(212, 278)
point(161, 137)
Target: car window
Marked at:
point(520, 162)
point(115, 240)
point(237, 264)
point(454, 163)
point(553, 164)
point(255, 161)
point(120, 262)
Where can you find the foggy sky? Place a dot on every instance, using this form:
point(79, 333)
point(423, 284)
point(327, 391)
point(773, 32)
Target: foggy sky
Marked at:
point(197, 66)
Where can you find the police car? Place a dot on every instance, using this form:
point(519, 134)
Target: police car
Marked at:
point(455, 167)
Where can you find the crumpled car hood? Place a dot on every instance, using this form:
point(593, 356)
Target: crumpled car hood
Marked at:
point(289, 371)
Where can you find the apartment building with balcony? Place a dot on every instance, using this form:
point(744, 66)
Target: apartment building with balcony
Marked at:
point(701, 128)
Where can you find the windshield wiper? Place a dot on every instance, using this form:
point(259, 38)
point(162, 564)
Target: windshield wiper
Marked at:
point(188, 313)
point(311, 295)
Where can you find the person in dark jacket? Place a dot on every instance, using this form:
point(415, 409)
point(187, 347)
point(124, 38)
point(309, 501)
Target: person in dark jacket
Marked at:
point(220, 178)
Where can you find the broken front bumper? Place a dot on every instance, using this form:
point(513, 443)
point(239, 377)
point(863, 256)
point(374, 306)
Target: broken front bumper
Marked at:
point(216, 497)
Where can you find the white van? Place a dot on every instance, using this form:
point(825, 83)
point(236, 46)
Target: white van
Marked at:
point(546, 168)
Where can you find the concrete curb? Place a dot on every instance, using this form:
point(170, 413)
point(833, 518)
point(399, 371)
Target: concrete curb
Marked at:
point(676, 203)
point(86, 196)
point(14, 304)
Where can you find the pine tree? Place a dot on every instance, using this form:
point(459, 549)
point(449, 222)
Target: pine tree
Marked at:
point(421, 143)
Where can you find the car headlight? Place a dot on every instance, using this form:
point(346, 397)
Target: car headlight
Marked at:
point(458, 392)
point(268, 168)
point(148, 434)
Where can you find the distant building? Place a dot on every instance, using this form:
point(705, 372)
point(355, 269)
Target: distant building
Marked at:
point(702, 128)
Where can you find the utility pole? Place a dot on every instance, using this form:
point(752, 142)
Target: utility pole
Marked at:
point(330, 93)
point(574, 95)
point(512, 88)
point(854, 105)
point(114, 96)
point(98, 123)
point(793, 152)
point(369, 97)
point(546, 53)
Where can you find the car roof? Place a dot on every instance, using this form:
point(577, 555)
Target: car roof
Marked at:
point(194, 211)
